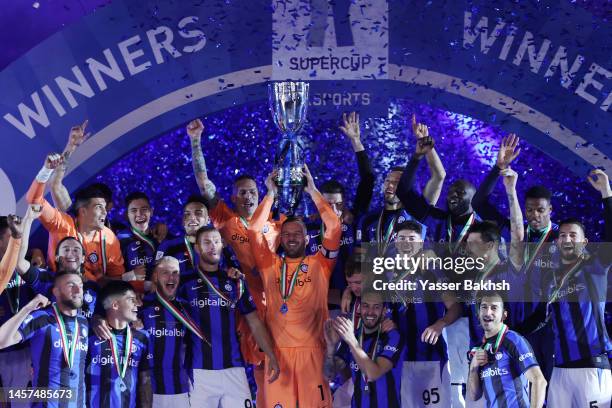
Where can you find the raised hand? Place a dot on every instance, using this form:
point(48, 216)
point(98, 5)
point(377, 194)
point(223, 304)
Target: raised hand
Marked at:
point(53, 161)
point(195, 129)
point(38, 302)
point(15, 224)
point(420, 130)
point(479, 359)
point(508, 151)
point(310, 186)
point(234, 273)
point(33, 211)
point(331, 335)
point(350, 126)
point(347, 298)
point(345, 329)
point(510, 176)
point(159, 231)
point(599, 180)
point(424, 145)
point(271, 184)
point(77, 136)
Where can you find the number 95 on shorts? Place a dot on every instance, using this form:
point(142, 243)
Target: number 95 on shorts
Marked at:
point(27, 395)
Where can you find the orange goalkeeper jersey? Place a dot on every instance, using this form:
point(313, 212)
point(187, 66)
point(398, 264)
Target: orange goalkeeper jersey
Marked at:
point(302, 324)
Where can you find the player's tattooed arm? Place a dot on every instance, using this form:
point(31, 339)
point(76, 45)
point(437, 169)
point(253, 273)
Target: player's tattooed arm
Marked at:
point(517, 230)
point(59, 192)
point(9, 331)
point(538, 386)
point(433, 188)
point(207, 187)
point(33, 212)
point(145, 391)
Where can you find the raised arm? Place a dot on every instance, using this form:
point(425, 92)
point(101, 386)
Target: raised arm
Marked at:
point(599, 180)
point(508, 151)
point(11, 255)
point(433, 188)
point(9, 331)
point(333, 229)
point(259, 247)
point(333, 364)
point(207, 188)
point(59, 193)
point(32, 213)
point(363, 197)
point(517, 230)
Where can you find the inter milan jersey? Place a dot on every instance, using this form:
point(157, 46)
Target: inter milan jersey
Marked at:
point(137, 250)
point(413, 313)
point(167, 345)
point(105, 387)
point(16, 294)
point(347, 243)
point(215, 315)
point(41, 281)
point(378, 226)
point(502, 379)
point(577, 309)
point(184, 251)
point(49, 365)
point(503, 271)
point(384, 392)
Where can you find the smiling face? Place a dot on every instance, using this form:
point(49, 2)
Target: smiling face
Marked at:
point(126, 306)
point(571, 242)
point(408, 242)
point(166, 277)
point(294, 239)
point(93, 214)
point(459, 197)
point(372, 310)
point(390, 186)
point(209, 247)
point(245, 197)
point(139, 214)
point(70, 255)
point(491, 314)
point(195, 215)
point(68, 290)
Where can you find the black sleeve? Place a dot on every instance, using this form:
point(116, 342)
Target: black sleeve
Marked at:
point(365, 188)
point(413, 202)
point(481, 204)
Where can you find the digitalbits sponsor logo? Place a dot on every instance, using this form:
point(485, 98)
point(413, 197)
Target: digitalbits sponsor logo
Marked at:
point(493, 372)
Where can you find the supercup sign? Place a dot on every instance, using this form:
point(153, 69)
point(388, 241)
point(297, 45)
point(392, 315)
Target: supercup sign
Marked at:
point(540, 70)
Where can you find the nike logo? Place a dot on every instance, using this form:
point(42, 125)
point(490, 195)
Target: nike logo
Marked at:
point(196, 287)
point(183, 260)
point(99, 342)
point(152, 316)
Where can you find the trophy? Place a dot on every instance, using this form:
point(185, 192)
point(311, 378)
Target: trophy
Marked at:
point(288, 103)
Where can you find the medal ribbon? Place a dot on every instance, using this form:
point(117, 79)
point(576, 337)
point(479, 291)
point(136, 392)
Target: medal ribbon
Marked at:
point(220, 293)
point(286, 292)
point(498, 340)
point(462, 234)
point(244, 222)
point(357, 308)
point(383, 242)
point(121, 368)
point(545, 234)
point(565, 278)
point(143, 237)
point(486, 272)
point(373, 355)
point(67, 348)
point(182, 317)
point(190, 252)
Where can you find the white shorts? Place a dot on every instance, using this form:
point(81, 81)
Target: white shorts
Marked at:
point(344, 394)
point(16, 370)
point(457, 337)
point(228, 388)
point(424, 386)
point(172, 400)
point(580, 387)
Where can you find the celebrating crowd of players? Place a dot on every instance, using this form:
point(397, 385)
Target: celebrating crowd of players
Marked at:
point(126, 316)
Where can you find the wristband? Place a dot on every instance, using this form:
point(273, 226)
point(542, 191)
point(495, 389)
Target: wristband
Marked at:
point(128, 276)
point(44, 175)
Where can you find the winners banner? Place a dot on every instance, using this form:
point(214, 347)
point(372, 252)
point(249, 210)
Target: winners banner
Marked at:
point(137, 68)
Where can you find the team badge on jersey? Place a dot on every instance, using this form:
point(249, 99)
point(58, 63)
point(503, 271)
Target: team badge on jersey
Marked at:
point(552, 249)
point(498, 356)
point(88, 298)
point(93, 257)
point(228, 287)
point(304, 268)
point(344, 227)
point(401, 219)
point(265, 229)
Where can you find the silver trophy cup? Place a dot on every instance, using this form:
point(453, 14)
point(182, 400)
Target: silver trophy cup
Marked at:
point(288, 104)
